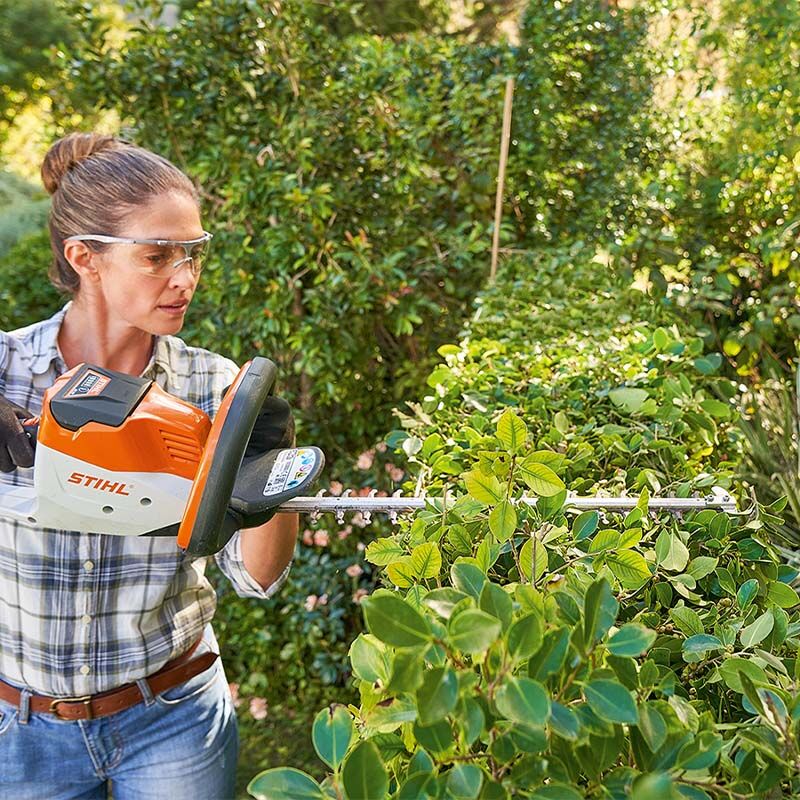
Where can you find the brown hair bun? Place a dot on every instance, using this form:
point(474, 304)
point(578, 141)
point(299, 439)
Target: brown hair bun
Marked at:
point(69, 152)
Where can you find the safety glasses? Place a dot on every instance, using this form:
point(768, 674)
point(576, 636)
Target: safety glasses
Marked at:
point(158, 257)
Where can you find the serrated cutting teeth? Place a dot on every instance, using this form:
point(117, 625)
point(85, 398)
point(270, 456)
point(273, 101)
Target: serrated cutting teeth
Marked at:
point(397, 504)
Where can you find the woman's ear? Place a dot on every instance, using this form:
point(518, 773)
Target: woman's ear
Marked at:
point(83, 260)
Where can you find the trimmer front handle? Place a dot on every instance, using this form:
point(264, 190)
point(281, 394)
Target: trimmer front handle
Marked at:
point(230, 492)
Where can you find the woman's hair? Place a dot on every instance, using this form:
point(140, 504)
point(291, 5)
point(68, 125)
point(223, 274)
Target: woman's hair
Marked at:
point(96, 181)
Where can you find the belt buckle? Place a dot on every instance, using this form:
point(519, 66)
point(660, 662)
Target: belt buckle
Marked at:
point(85, 699)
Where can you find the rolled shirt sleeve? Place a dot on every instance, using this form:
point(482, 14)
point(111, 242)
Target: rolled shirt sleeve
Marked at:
point(230, 561)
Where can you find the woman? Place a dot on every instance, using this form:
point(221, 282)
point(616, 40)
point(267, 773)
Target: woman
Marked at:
point(94, 627)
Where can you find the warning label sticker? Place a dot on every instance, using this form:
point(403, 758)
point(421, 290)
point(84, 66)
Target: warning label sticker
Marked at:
point(290, 469)
point(90, 385)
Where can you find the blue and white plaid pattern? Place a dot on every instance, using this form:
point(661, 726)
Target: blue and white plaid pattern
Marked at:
point(85, 613)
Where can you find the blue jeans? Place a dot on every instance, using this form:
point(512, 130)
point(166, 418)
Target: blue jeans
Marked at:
point(181, 744)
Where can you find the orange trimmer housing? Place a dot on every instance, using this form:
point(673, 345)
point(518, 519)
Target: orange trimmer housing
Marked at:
point(117, 454)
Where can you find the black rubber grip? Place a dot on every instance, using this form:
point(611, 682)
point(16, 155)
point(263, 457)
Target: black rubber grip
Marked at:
point(213, 527)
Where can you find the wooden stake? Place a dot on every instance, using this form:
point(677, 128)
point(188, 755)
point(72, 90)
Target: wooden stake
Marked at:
point(501, 175)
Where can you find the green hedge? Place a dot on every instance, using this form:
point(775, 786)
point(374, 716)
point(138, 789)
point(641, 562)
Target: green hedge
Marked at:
point(536, 652)
point(23, 210)
point(349, 179)
point(26, 294)
point(724, 212)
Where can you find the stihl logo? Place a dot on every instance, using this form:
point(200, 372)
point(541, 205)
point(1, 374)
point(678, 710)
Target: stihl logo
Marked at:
point(115, 487)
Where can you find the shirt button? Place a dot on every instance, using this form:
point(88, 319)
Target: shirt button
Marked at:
point(88, 565)
point(85, 669)
point(86, 619)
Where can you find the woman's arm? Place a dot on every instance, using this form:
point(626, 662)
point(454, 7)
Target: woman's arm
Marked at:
point(267, 549)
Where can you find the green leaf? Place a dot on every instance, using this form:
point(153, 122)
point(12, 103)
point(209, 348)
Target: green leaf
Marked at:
point(701, 566)
point(732, 668)
point(631, 640)
point(701, 643)
point(550, 656)
point(782, 595)
point(653, 786)
point(628, 399)
point(384, 551)
point(524, 701)
point(387, 718)
point(363, 775)
point(600, 612)
point(436, 738)
point(467, 578)
point(426, 561)
point(442, 601)
point(533, 561)
point(556, 791)
point(585, 525)
point(716, 408)
point(369, 658)
point(503, 520)
point(471, 719)
point(708, 364)
point(400, 573)
point(629, 567)
point(483, 488)
point(496, 601)
point(284, 783)
point(606, 539)
point(525, 636)
point(394, 621)
point(487, 554)
point(687, 620)
point(473, 631)
point(540, 478)
point(511, 431)
point(331, 734)
point(758, 630)
point(564, 722)
point(407, 668)
point(464, 782)
point(671, 553)
point(747, 593)
point(652, 727)
point(418, 786)
point(437, 696)
point(700, 753)
point(661, 339)
point(611, 701)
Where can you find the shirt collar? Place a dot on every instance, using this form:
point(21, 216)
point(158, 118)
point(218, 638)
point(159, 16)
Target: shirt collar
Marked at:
point(44, 343)
point(45, 346)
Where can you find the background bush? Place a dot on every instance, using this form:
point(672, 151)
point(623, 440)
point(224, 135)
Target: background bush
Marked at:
point(530, 651)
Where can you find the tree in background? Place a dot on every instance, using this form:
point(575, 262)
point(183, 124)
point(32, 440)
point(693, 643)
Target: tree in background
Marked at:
point(29, 31)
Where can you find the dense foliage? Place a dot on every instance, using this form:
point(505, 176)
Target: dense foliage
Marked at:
point(349, 179)
point(26, 62)
point(724, 217)
point(530, 651)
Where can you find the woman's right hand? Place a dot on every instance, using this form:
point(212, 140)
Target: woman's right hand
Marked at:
point(16, 449)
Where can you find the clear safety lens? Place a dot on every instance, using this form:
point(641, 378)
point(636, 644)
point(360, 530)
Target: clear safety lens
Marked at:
point(163, 259)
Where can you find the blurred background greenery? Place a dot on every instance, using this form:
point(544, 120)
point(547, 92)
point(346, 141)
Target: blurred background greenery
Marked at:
point(347, 157)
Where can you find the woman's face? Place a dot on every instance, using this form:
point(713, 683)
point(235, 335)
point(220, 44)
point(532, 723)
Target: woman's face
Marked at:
point(156, 304)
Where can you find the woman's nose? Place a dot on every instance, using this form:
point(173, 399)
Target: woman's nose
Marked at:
point(183, 275)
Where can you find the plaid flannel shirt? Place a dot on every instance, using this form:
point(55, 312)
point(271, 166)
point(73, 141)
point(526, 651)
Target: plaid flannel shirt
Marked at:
point(83, 613)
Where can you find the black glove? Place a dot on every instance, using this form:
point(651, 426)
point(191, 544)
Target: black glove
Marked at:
point(273, 428)
point(15, 446)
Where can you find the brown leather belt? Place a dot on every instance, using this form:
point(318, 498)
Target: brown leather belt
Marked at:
point(172, 674)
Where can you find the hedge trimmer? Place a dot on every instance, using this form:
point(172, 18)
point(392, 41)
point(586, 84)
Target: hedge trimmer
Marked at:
point(118, 455)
